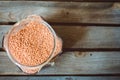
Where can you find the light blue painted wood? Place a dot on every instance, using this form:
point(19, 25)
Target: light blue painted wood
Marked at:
point(60, 78)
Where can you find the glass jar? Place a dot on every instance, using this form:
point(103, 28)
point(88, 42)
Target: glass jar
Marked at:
point(18, 26)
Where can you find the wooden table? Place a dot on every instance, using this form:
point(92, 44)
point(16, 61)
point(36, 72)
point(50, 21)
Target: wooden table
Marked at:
point(90, 33)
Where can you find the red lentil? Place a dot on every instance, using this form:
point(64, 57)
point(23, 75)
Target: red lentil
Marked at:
point(31, 45)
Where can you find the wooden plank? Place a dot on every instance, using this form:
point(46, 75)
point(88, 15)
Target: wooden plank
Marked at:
point(89, 37)
point(60, 78)
point(60, 12)
point(82, 37)
point(57, 4)
point(72, 0)
point(71, 63)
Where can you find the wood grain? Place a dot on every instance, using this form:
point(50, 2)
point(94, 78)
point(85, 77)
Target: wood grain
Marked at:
point(81, 37)
point(72, 0)
point(70, 64)
point(60, 78)
point(60, 12)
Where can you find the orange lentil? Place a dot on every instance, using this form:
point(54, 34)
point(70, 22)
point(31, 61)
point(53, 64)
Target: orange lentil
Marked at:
point(32, 44)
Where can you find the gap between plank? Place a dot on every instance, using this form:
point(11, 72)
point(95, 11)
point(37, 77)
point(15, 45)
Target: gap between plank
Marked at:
point(72, 24)
point(71, 0)
point(91, 49)
point(38, 75)
point(86, 49)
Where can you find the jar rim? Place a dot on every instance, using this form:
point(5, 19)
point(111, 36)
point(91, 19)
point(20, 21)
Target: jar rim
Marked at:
point(39, 65)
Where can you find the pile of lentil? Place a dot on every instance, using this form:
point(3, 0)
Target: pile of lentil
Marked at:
point(32, 44)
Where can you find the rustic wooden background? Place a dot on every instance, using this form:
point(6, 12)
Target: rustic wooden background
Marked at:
point(90, 33)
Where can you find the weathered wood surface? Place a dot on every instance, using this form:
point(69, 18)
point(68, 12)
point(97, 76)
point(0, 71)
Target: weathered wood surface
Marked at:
point(72, 0)
point(60, 78)
point(71, 63)
point(82, 37)
point(60, 12)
